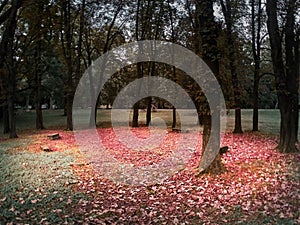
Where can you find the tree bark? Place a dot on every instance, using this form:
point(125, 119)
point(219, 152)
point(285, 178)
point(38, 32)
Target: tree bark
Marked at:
point(135, 118)
point(6, 54)
point(287, 75)
point(208, 31)
point(256, 49)
point(66, 40)
point(174, 117)
point(152, 67)
point(12, 118)
point(106, 47)
point(216, 167)
point(227, 11)
point(174, 114)
point(38, 92)
point(9, 31)
point(148, 113)
point(12, 93)
point(7, 46)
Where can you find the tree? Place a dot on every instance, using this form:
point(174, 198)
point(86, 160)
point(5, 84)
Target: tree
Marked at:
point(36, 33)
point(142, 23)
point(68, 53)
point(256, 49)
point(110, 36)
point(258, 34)
point(286, 70)
point(172, 14)
point(10, 16)
point(227, 11)
point(7, 55)
point(99, 32)
point(208, 31)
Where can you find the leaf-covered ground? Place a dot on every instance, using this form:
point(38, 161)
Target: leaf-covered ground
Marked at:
point(260, 186)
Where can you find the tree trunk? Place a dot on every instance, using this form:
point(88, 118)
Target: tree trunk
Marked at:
point(174, 121)
point(12, 94)
point(12, 80)
point(216, 167)
point(38, 92)
point(12, 118)
point(38, 110)
point(238, 121)
point(255, 105)
point(9, 31)
point(297, 71)
point(232, 58)
point(256, 49)
point(135, 118)
point(6, 53)
point(287, 80)
point(208, 31)
point(148, 113)
point(68, 54)
point(288, 124)
point(69, 106)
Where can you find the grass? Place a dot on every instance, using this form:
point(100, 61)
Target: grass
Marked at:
point(269, 120)
point(34, 186)
point(38, 187)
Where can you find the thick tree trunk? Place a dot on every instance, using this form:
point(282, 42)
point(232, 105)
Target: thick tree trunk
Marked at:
point(287, 76)
point(288, 124)
point(9, 31)
point(238, 121)
point(6, 53)
point(208, 31)
point(216, 167)
point(12, 80)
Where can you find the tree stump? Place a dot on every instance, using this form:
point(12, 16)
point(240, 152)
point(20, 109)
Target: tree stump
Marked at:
point(176, 130)
point(46, 149)
point(53, 136)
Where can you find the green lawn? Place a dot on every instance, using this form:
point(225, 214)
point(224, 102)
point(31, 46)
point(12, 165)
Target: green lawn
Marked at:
point(269, 120)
